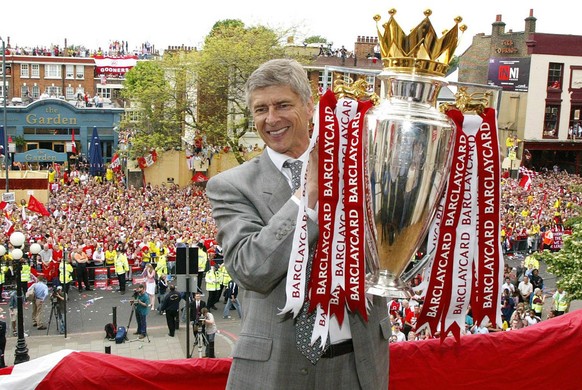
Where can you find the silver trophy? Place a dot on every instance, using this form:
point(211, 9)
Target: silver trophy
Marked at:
point(409, 149)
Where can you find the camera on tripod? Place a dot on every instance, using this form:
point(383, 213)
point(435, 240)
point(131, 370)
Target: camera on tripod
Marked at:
point(55, 294)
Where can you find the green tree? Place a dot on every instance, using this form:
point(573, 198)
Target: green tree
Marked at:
point(162, 105)
point(566, 264)
point(231, 53)
point(200, 93)
point(315, 39)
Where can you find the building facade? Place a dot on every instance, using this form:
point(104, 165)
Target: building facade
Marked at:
point(44, 131)
point(541, 79)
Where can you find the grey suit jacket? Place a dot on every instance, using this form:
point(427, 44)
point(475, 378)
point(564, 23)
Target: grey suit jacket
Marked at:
point(256, 216)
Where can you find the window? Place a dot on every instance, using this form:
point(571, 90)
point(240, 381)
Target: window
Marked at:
point(551, 121)
point(70, 93)
point(35, 92)
point(24, 71)
point(555, 75)
point(2, 91)
point(52, 71)
point(371, 80)
point(24, 91)
point(105, 93)
point(70, 72)
point(324, 83)
point(35, 71)
point(80, 72)
point(575, 129)
point(131, 115)
point(53, 91)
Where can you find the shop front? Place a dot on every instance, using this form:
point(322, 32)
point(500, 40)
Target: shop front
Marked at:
point(51, 126)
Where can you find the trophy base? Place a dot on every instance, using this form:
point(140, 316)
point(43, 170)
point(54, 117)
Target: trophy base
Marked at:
point(386, 284)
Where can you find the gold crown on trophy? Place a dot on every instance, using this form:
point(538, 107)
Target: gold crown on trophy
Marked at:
point(421, 51)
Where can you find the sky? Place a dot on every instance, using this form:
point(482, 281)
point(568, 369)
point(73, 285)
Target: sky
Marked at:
point(180, 22)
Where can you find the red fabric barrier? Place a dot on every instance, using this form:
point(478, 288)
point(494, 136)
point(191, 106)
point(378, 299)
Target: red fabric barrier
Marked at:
point(541, 356)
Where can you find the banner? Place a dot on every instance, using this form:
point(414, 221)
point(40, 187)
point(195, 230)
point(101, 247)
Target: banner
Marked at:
point(114, 65)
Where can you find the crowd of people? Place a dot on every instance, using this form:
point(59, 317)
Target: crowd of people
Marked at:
point(115, 48)
point(532, 220)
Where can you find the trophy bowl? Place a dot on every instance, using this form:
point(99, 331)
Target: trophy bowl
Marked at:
point(409, 148)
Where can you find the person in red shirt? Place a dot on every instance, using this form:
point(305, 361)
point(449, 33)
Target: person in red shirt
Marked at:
point(410, 320)
point(394, 307)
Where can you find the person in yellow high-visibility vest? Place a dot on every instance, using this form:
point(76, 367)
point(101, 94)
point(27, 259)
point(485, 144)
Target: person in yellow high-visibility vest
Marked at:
point(65, 275)
point(3, 270)
point(561, 302)
point(162, 264)
point(213, 287)
point(224, 278)
point(25, 272)
point(121, 267)
point(202, 265)
point(537, 303)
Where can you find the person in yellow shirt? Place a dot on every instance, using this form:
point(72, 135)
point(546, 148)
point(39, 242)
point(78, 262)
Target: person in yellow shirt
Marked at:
point(110, 255)
point(109, 174)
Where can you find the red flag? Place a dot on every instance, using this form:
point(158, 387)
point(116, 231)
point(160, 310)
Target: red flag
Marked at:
point(199, 177)
point(37, 207)
point(74, 143)
point(8, 226)
point(525, 182)
point(115, 163)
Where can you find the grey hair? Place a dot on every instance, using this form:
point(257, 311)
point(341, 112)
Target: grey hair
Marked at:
point(279, 72)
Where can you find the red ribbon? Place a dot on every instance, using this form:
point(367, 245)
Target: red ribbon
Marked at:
point(355, 210)
point(438, 295)
point(320, 280)
point(487, 295)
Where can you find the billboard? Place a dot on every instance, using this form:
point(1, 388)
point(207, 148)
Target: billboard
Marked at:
point(511, 74)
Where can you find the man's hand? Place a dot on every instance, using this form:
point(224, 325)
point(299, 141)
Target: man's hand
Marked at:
point(312, 179)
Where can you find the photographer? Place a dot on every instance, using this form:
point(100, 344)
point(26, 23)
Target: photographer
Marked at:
point(141, 302)
point(58, 302)
point(210, 326)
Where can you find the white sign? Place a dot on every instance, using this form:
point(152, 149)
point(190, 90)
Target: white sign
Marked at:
point(8, 197)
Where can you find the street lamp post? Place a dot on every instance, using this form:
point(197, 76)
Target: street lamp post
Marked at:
point(124, 147)
point(17, 240)
point(4, 91)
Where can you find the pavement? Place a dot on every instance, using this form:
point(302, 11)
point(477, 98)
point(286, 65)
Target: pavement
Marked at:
point(89, 311)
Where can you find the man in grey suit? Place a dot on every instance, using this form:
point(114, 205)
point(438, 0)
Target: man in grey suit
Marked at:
point(255, 211)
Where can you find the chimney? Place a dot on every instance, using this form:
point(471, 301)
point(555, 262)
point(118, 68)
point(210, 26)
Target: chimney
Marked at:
point(498, 28)
point(530, 23)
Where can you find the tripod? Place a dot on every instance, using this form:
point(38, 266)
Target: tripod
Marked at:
point(58, 320)
point(129, 323)
point(200, 341)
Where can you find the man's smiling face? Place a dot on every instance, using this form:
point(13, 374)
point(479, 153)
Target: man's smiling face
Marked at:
point(282, 119)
